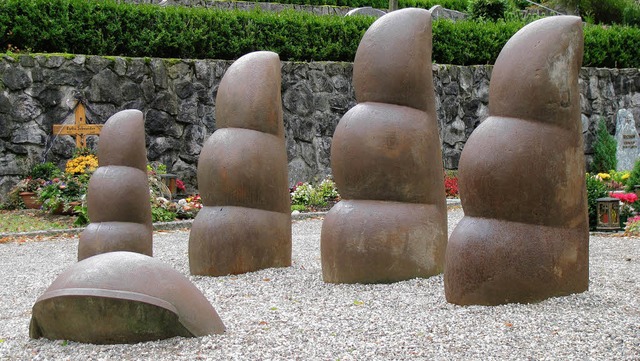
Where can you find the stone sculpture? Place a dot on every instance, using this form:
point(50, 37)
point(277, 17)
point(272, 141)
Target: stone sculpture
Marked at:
point(386, 159)
point(525, 233)
point(118, 194)
point(627, 140)
point(245, 224)
point(122, 297)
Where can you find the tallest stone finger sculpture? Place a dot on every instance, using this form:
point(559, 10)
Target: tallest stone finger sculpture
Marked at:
point(387, 164)
point(525, 236)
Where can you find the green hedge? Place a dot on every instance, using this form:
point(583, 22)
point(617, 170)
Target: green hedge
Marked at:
point(107, 28)
point(460, 5)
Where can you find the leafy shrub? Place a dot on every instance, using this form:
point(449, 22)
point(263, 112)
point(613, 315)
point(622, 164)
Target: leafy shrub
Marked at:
point(45, 170)
point(595, 189)
point(611, 46)
point(472, 41)
point(634, 178)
point(631, 15)
point(488, 9)
point(162, 214)
point(309, 196)
point(108, 28)
point(58, 194)
point(459, 5)
point(614, 180)
point(604, 150)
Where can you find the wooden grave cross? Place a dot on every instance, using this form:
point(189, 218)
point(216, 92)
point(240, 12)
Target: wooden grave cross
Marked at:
point(80, 129)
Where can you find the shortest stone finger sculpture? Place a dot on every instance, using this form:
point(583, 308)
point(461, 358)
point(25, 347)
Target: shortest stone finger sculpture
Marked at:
point(118, 195)
point(122, 297)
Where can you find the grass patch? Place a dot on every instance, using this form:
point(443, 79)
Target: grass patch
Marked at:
point(32, 220)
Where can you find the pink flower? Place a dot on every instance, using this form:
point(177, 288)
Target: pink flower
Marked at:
point(625, 197)
point(180, 185)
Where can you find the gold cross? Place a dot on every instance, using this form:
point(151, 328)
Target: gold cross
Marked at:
point(80, 129)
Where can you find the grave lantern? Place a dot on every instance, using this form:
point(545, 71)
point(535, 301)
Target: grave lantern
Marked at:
point(608, 214)
point(169, 180)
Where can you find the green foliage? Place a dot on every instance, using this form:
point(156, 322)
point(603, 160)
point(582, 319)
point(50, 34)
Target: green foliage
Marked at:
point(12, 201)
point(31, 220)
point(298, 207)
point(45, 170)
point(611, 46)
point(634, 178)
point(161, 214)
point(595, 189)
point(604, 11)
point(604, 150)
point(61, 192)
point(488, 9)
point(459, 5)
point(307, 195)
point(109, 28)
point(82, 213)
point(472, 41)
point(631, 15)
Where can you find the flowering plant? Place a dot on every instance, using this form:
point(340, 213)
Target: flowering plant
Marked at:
point(29, 185)
point(307, 196)
point(59, 193)
point(180, 185)
point(628, 202)
point(82, 164)
point(614, 180)
point(189, 207)
point(162, 210)
point(451, 185)
point(633, 227)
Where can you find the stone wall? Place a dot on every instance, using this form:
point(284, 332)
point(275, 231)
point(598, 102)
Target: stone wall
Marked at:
point(178, 100)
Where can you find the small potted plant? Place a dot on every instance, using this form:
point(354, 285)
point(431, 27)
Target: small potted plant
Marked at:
point(61, 195)
point(29, 186)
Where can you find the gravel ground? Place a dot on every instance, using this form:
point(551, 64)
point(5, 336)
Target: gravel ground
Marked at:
point(291, 314)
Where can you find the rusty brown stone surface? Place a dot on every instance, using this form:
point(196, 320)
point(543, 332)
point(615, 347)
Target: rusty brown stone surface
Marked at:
point(245, 224)
point(118, 194)
point(525, 234)
point(122, 297)
point(386, 160)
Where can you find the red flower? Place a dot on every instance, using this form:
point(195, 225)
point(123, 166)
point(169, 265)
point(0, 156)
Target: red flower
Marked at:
point(451, 186)
point(625, 197)
point(180, 185)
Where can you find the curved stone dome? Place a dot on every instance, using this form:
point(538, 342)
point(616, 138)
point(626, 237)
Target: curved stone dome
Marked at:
point(122, 297)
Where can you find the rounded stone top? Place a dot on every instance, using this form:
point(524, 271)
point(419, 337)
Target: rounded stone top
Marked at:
point(536, 74)
point(122, 141)
point(249, 94)
point(393, 61)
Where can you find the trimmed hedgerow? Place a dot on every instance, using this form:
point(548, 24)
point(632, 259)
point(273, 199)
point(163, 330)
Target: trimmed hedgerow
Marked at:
point(611, 46)
point(459, 5)
point(470, 42)
point(108, 28)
